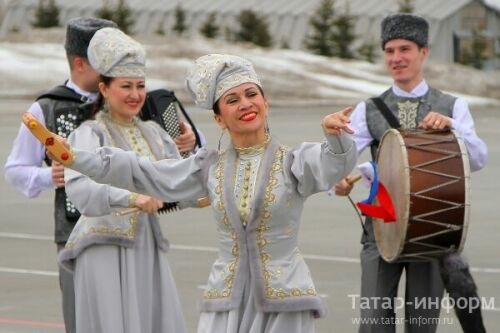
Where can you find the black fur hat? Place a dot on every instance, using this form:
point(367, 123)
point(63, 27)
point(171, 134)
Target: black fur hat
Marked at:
point(405, 26)
point(79, 32)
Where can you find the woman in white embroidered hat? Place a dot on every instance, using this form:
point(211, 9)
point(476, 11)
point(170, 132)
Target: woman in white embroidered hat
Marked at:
point(257, 188)
point(123, 282)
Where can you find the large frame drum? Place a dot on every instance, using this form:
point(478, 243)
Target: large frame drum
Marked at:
point(427, 177)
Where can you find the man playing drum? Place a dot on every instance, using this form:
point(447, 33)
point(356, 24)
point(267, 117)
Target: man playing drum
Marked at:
point(404, 41)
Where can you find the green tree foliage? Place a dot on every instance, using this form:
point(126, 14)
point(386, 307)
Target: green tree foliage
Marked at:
point(343, 36)
point(367, 52)
point(210, 29)
point(105, 12)
point(253, 29)
point(263, 37)
point(323, 24)
point(46, 15)
point(180, 21)
point(406, 6)
point(121, 15)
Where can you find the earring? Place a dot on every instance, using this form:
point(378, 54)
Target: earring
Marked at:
point(220, 139)
point(268, 132)
point(105, 106)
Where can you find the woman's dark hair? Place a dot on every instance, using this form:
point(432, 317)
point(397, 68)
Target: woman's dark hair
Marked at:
point(100, 98)
point(216, 109)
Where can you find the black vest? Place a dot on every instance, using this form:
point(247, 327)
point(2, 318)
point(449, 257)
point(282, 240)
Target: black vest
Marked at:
point(64, 110)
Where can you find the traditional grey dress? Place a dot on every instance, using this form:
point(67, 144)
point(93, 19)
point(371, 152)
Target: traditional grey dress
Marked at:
point(260, 281)
point(123, 282)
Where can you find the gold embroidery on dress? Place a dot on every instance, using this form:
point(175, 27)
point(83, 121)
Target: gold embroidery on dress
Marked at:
point(269, 199)
point(104, 120)
point(246, 171)
point(128, 233)
point(100, 120)
point(132, 134)
point(226, 226)
point(244, 204)
point(408, 114)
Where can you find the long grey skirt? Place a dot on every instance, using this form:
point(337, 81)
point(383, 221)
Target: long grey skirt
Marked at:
point(126, 290)
point(248, 319)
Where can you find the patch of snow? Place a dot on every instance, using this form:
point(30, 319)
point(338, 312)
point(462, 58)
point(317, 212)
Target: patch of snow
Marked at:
point(293, 77)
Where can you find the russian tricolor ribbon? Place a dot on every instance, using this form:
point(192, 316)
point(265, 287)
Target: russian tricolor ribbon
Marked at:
point(385, 210)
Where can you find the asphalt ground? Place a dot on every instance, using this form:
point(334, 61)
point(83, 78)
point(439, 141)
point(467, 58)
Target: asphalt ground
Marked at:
point(330, 235)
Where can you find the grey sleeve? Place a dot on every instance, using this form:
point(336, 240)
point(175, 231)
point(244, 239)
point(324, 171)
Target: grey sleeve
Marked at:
point(89, 197)
point(318, 166)
point(169, 179)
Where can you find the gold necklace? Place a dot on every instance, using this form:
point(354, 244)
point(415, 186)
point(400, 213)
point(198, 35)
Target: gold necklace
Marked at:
point(118, 121)
point(253, 150)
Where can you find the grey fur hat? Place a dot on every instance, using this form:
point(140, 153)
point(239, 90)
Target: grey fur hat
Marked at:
point(79, 32)
point(405, 26)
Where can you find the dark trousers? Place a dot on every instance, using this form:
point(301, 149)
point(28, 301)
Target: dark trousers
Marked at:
point(379, 286)
point(68, 296)
point(462, 289)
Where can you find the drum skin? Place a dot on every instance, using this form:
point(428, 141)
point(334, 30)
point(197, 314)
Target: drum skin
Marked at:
point(427, 176)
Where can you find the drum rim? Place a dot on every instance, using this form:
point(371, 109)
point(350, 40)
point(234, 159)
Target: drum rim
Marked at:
point(459, 141)
point(466, 164)
point(403, 219)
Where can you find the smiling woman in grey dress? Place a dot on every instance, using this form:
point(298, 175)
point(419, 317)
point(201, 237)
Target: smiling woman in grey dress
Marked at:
point(123, 282)
point(257, 188)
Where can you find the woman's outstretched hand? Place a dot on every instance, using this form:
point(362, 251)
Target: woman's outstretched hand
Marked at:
point(338, 122)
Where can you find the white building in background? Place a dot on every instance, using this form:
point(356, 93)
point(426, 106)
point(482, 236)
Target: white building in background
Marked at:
point(452, 21)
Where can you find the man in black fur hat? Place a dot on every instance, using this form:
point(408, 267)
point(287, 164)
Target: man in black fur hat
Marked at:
point(62, 109)
point(410, 103)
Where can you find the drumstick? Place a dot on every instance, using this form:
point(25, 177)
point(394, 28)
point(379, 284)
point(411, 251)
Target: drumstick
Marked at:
point(127, 211)
point(354, 180)
point(351, 182)
point(202, 202)
point(52, 142)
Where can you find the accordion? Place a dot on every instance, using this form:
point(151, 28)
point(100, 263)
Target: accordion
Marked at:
point(163, 107)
